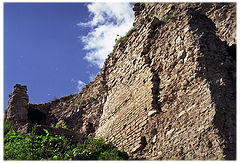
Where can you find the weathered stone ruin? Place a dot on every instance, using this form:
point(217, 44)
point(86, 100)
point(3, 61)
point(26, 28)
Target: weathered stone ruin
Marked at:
point(167, 92)
point(24, 116)
point(17, 106)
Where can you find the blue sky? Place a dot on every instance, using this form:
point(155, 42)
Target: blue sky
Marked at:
point(57, 48)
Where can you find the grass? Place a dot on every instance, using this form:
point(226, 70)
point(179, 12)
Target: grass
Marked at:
point(168, 17)
point(55, 99)
point(118, 41)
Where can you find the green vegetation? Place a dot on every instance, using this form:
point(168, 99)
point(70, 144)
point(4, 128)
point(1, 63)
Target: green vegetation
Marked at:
point(96, 149)
point(79, 101)
point(92, 99)
point(60, 124)
point(101, 89)
point(168, 17)
point(118, 41)
point(223, 158)
point(55, 99)
point(67, 97)
point(30, 146)
point(7, 127)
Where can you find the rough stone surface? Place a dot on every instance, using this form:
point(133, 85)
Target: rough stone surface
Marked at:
point(167, 92)
point(16, 112)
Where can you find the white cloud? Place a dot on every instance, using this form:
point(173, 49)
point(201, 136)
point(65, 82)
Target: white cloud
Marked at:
point(92, 76)
point(80, 85)
point(107, 21)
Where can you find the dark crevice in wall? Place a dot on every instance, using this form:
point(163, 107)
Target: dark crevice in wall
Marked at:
point(232, 51)
point(143, 142)
point(155, 91)
point(214, 66)
point(155, 24)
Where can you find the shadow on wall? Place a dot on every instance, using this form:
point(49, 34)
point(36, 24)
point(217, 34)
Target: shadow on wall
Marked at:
point(232, 51)
point(218, 67)
point(36, 117)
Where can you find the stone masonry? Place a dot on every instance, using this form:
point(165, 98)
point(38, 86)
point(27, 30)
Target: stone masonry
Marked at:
point(168, 90)
point(177, 95)
point(17, 106)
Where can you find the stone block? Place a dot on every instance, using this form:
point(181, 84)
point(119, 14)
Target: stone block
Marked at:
point(152, 112)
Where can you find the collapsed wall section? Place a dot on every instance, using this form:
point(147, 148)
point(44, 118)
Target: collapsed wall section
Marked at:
point(80, 112)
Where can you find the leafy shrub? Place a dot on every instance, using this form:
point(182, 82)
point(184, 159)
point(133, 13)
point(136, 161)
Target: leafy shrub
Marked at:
point(19, 146)
point(96, 149)
point(60, 124)
point(7, 127)
point(30, 146)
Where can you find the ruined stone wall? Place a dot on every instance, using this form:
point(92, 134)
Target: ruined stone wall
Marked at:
point(169, 87)
point(80, 112)
point(167, 91)
point(222, 14)
point(23, 116)
point(16, 112)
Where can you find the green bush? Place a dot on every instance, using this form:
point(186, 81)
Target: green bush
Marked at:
point(60, 124)
point(7, 127)
point(30, 146)
point(96, 149)
point(19, 146)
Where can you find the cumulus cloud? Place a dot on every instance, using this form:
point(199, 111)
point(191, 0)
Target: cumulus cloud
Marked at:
point(107, 20)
